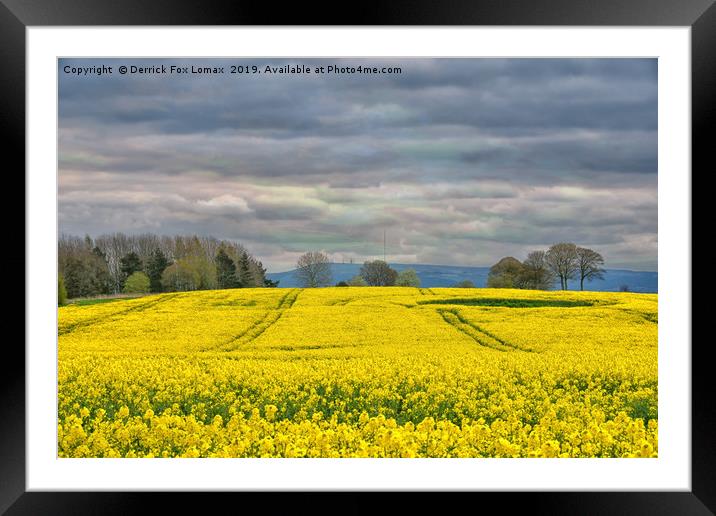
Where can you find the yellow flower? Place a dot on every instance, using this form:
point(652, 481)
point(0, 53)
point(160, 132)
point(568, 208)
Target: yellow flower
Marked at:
point(362, 372)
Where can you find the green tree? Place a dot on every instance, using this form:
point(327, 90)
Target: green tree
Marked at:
point(99, 272)
point(136, 283)
point(408, 278)
point(225, 270)
point(179, 277)
point(244, 273)
point(505, 273)
point(190, 273)
point(205, 270)
point(85, 274)
point(129, 264)
point(78, 279)
point(61, 291)
point(260, 275)
point(357, 281)
point(464, 284)
point(271, 283)
point(99, 253)
point(155, 267)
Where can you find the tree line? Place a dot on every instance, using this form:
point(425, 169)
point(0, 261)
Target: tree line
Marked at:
point(541, 269)
point(114, 263)
point(313, 269)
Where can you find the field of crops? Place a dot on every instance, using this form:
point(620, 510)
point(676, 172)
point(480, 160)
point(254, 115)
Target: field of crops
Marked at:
point(360, 372)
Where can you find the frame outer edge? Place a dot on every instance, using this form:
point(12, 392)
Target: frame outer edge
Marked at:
point(12, 379)
point(703, 117)
point(371, 12)
point(12, 104)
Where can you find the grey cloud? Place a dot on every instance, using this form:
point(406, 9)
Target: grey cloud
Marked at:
point(493, 94)
point(461, 160)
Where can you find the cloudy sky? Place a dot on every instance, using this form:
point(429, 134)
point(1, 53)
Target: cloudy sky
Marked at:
point(460, 161)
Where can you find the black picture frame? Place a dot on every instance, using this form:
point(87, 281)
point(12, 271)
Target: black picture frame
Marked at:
point(17, 15)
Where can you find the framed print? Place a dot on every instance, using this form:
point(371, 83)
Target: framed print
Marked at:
point(423, 250)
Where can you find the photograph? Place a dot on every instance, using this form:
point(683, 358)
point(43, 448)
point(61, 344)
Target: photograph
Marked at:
point(357, 257)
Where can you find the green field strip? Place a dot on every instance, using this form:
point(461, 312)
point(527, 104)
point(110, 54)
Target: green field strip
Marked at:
point(508, 303)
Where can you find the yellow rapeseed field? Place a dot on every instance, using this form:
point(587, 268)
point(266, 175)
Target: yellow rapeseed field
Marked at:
point(360, 372)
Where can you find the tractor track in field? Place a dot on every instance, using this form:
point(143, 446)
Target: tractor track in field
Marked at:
point(481, 336)
point(647, 316)
point(261, 326)
point(427, 292)
point(251, 333)
point(288, 300)
point(652, 318)
point(342, 302)
point(137, 308)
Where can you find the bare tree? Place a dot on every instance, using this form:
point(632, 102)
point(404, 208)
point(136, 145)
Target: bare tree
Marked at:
point(210, 245)
point(144, 245)
point(313, 269)
point(536, 273)
point(562, 261)
point(114, 246)
point(589, 264)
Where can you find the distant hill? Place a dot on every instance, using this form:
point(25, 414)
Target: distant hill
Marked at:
point(448, 275)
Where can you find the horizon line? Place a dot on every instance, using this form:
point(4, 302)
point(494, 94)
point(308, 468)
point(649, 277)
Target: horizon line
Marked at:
point(456, 266)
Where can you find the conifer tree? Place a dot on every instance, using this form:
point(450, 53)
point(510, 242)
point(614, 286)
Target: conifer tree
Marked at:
point(225, 270)
point(156, 265)
point(246, 278)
